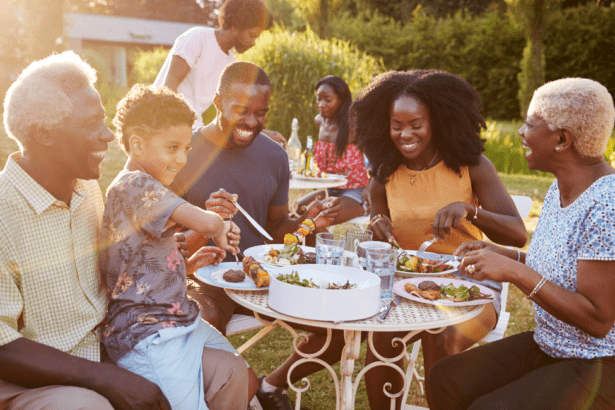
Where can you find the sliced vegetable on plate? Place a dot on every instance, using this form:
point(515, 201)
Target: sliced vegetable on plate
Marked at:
point(410, 263)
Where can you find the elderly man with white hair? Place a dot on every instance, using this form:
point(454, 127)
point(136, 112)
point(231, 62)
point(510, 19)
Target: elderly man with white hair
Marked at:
point(568, 361)
point(51, 293)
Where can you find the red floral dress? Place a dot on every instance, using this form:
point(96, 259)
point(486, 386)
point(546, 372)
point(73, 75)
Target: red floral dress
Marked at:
point(351, 165)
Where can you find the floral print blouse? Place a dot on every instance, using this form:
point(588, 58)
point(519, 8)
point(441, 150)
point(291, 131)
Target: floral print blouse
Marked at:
point(141, 266)
point(351, 165)
point(584, 230)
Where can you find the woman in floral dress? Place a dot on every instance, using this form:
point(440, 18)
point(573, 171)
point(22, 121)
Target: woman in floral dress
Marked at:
point(336, 151)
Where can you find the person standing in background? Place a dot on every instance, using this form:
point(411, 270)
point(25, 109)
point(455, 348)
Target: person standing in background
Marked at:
point(199, 55)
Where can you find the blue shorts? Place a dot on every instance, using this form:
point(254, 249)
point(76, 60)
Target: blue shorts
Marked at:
point(353, 193)
point(171, 358)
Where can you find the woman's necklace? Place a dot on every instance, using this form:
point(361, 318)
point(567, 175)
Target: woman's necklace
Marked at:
point(417, 174)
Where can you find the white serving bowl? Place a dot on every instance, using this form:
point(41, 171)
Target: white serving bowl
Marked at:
point(326, 304)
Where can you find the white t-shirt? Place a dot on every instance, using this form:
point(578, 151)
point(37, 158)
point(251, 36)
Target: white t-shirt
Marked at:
point(201, 51)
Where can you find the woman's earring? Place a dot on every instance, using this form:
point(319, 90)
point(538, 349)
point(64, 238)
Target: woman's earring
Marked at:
point(558, 148)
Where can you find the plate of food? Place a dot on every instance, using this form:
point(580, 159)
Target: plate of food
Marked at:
point(227, 275)
point(282, 255)
point(444, 291)
point(410, 265)
point(318, 176)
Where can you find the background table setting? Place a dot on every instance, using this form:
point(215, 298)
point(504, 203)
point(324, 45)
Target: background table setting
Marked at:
point(300, 182)
point(355, 310)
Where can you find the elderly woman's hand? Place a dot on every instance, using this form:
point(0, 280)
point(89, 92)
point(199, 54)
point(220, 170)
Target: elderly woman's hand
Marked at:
point(487, 263)
point(451, 216)
point(332, 209)
point(466, 247)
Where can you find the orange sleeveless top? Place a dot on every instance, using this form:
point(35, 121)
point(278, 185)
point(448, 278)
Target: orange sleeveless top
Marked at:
point(413, 207)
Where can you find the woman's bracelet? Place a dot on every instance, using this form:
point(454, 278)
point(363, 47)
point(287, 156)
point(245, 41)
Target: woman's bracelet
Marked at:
point(518, 255)
point(475, 212)
point(537, 288)
point(376, 218)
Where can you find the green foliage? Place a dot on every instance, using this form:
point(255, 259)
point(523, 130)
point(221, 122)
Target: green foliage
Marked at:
point(184, 11)
point(42, 23)
point(580, 42)
point(532, 74)
point(147, 64)
point(110, 92)
point(295, 62)
point(484, 50)
point(532, 16)
point(401, 10)
point(503, 147)
point(487, 49)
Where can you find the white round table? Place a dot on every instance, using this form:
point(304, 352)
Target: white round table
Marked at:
point(408, 316)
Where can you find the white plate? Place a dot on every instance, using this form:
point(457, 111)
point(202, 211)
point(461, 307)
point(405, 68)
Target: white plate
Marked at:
point(212, 275)
point(454, 271)
point(326, 304)
point(398, 288)
point(330, 177)
point(258, 252)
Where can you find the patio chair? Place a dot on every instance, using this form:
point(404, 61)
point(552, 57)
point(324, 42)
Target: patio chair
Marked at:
point(243, 323)
point(523, 204)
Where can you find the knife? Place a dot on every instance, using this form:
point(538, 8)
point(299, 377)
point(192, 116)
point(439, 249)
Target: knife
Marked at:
point(253, 222)
point(394, 302)
point(438, 257)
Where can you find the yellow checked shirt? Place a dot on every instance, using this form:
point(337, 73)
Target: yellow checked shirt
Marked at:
point(50, 285)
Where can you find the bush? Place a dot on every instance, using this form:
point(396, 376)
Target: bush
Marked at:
point(295, 62)
point(484, 50)
point(580, 42)
point(503, 147)
point(110, 92)
point(147, 64)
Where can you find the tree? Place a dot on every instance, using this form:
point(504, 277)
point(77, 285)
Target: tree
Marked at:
point(186, 11)
point(401, 10)
point(316, 13)
point(42, 25)
point(532, 15)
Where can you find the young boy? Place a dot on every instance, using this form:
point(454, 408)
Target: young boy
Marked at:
point(151, 327)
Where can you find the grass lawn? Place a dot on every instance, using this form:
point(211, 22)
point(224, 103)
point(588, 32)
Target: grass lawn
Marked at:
point(276, 346)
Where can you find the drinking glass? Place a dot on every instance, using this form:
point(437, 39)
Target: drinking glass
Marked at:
point(382, 262)
point(329, 248)
point(355, 236)
point(363, 246)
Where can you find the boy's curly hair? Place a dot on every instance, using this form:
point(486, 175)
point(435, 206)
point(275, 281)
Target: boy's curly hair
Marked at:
point(148, 110)
point(454, 109)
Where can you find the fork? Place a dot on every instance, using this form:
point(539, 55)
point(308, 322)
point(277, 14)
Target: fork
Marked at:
point(235, 254)
point(426, 245)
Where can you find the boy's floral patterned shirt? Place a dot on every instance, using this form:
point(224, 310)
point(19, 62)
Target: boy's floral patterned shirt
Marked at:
point(144, 272)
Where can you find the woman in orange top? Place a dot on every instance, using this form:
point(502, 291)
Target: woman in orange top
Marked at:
point(421, 131)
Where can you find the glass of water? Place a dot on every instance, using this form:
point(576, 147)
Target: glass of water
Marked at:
point(382, 262)
point(362, 248)
point(329, 248)
point(355, 236)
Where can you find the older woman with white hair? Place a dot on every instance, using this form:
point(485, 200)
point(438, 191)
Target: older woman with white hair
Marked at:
point(568, 361)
